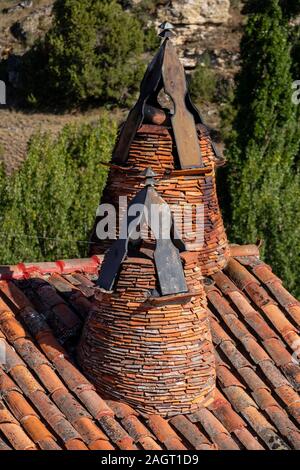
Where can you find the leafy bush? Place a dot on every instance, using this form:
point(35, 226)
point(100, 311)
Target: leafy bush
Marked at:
point(203, 84)
point(93, 52)
point(262, 176)
point(48, 206)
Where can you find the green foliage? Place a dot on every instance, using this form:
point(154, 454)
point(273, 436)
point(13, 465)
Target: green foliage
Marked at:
point(93, 52)
point(203, 84)
point(262, 178)
point(48, 206)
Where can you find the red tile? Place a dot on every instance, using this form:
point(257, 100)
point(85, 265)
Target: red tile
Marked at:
point(10, 327)
point(49, 378)
point(174, 443)
point(18, 405)
point(251, 378)
point(294, 312)
point(94, 403)
point(288, 395)
point(226, 377)
point(30, 353)
point(273, 374)
point(65, 318)
point(190, 432)
point(239, 398)
point(215, 429)
point(113, 430)
point(244, 250)
point(12, 359)
point(49, 444)
point(285, 426)
point(161, 428)
point(89, 431)
point(49, 345)
point(277, 351)
point(56, 420)
point(135, 428)
point(126, 444)
point(292, 372)
point(35, 429)
point(17, 437)
point(264, 399)
point(224, 283)
point(257, 353)
point(280, 321)
point(75, 380)
point(218, 334)
point(75, 444)
point(258, 295)
point(71, 408)
point(15, 294)
point(88, 265)
point(226, 415)
point(234, 355)
point(121, 410)
point(239, 274)
point(225, 442)
point(149, 444)
point(25, 380)
point(3, 445)
point(248, 440)
point(294, 410)
point(101, 445)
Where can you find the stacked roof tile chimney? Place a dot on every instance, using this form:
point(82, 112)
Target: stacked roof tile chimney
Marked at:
point(179, 150)
point(148, 341)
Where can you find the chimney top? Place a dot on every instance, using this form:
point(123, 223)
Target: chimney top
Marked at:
point(157, 216)
point(165, 71)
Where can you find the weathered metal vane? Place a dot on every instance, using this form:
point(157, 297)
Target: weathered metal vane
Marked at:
point(165, 72)
point(170, 273)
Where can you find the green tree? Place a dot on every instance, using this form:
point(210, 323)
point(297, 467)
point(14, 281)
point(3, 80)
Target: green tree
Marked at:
point(48, 206)
point(92, 52)
point(262, 178)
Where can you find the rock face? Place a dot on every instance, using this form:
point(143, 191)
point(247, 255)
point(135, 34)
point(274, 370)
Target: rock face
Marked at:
point(32, 26)
point(203, 27)
point(196, 23)
point(196, 12)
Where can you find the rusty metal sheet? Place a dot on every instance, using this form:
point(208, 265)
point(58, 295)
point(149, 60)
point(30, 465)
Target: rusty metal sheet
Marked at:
point(168, 264)
point(183, 122)
point(149, 85)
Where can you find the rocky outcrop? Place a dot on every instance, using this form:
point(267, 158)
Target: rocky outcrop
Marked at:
point(33, 26)
point(196, 12)
point(203, 28)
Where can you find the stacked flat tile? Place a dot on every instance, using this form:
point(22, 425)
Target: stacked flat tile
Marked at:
point(46, 403)
point(156, 355)
point(153, 146)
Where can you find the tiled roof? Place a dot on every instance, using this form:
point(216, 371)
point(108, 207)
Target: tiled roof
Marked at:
point(46, 403)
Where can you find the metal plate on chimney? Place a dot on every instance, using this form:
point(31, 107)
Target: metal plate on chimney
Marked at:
point(183, 122)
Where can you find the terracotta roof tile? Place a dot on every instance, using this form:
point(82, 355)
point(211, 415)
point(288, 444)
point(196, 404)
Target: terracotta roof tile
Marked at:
point(121, 410)
point(115, 432)
point(191, 433)
point(215, 429)
point(135, 428)
point(39, 433)
point(13, 431)
point(89, 431)
point(3, 445)
point(47, 403)
point(148, 443)
point(165, 433)
point(247, 439)
point(222, 409)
